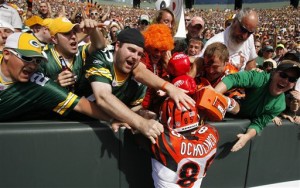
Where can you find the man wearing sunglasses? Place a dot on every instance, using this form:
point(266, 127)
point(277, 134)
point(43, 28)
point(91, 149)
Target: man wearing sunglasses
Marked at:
point(238, 38)
point(265, 98)
point(23, 90)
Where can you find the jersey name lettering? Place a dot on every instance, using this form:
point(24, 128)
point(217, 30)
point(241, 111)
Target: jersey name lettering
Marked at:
point(195, 150)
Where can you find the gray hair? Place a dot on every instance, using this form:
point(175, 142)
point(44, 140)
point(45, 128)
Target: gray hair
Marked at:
point(244, 13)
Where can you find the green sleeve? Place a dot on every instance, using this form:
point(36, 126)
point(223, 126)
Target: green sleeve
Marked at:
point(246, 79)
point(98, 69)
point(260, 122)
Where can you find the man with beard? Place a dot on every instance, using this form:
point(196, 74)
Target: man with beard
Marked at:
point(265, 98)
point(65, 48)
point(115, 84)
point(238, 38)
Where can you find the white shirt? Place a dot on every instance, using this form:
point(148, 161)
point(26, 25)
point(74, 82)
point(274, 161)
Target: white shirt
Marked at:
point(239, 55)
point(10, 15)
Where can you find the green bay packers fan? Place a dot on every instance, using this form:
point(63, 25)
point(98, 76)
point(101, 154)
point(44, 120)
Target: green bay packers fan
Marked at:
point(23, 90)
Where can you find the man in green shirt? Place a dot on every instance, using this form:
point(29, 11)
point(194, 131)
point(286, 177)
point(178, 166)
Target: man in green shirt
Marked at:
point(265, 98)
point(65, 47)
point(23, 90)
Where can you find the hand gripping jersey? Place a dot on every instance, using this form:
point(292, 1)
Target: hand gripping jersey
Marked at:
point(183, 161)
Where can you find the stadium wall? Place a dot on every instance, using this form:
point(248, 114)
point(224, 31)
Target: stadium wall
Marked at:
point(88, 154)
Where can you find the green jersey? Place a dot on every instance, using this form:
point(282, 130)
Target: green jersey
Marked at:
point(39, 93)
point(100, 68)
point(259, 105)
point(53, 67)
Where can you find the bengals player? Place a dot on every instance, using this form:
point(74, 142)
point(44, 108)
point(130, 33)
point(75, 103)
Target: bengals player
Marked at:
point(183, 153)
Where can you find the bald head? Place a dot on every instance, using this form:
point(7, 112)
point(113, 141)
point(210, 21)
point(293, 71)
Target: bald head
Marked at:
point(244, 24)
point(249, 18)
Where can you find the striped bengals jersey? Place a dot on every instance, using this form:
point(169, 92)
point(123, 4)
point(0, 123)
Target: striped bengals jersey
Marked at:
point(181, 161)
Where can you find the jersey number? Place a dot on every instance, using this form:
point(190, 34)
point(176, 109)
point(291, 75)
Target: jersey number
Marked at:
point(39, 79)
point(188, 174)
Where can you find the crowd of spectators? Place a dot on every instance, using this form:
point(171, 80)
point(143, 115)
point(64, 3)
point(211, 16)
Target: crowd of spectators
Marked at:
point(280, 25)
point(94, 50)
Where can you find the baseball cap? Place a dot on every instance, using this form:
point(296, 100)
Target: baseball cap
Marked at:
point(132, 36)
point(268, 48)
point(280, 46)
point(25, 44)
point(288, 64)
point(47, 22)
point(144, 17)
point(4, 24)
point(33, 20)
point(61, 25)
point(197, 20)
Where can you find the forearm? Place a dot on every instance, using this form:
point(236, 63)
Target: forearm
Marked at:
point(118, 110)
point(97, 40)
point(221, 87)
point(148, 78)
point(90, 109)
point(251, 133)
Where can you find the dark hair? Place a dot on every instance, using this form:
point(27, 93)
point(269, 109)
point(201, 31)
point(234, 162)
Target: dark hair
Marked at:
point(267, 64)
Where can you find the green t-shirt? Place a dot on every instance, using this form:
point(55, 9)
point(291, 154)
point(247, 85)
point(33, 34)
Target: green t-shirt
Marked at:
point(39, 93)
point(259, 105)
point(53, 67)
point(99, 68)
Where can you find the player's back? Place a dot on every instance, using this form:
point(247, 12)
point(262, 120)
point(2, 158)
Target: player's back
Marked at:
point(183, 161)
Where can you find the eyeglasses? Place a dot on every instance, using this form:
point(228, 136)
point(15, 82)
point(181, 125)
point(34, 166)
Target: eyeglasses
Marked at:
point(243, 29)
point(290, 79)
point(26, 59)
point(94, 13)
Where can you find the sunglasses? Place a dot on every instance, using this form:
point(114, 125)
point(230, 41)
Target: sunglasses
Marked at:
point(26, 59)
point(290, 79)
point(94, 13)
point(243, 29)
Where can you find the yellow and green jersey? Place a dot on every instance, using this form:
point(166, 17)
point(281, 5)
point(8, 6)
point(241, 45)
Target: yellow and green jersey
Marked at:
point(99, 67)
point(53, 67)
point(39, 93)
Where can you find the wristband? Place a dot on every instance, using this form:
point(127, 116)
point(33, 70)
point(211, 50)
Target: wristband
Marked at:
point(163, 87)
point(231, 104)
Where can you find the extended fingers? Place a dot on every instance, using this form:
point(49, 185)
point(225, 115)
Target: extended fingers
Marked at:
point(237, 147)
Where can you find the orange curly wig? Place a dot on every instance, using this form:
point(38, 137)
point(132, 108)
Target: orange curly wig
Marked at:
point(158, 36)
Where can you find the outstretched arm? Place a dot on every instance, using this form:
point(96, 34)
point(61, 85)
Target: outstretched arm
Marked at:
point(118, 110)
point(243, 139)
point(146, 77)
